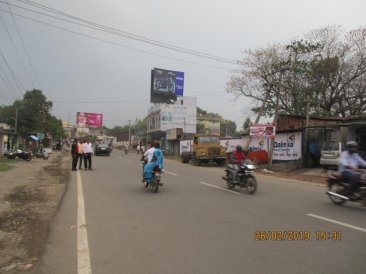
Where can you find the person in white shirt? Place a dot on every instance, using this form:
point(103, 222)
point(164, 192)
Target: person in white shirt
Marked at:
point(88, 151)
point(149, 153)
point(349, 163)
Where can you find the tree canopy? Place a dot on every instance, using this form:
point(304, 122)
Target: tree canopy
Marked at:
point(32, 115)
point(321, 74)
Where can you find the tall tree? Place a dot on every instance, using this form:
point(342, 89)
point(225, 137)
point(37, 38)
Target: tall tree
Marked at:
point(322, 74)
point(32, 114)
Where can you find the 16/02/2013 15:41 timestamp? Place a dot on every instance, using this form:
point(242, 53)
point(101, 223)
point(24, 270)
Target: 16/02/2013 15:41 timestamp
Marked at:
point(297, 235)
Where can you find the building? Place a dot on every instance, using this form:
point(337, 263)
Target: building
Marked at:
point(321, 130)
point(168, 123)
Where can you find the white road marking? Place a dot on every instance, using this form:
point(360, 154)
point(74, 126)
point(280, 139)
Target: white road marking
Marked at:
point(338, 223)
point(221, 188)
point(170, 173)
point(130, 161)
point(83, 256)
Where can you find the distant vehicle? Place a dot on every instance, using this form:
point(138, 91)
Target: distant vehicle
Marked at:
point(102, 149)
point(205, 148)
point(330, 153)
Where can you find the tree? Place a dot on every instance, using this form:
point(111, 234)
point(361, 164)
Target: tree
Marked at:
point(55, 128)
point(322, 74)
point(246, 126)
point(32, 115)
point(228, 128)
point(33, 112)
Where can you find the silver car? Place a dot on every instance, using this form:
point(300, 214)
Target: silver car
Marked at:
point(330, 153)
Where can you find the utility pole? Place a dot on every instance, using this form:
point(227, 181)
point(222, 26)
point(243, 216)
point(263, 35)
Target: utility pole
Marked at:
point(184, 129)
point(15, 127)
point(129, 132)
point(16, 122)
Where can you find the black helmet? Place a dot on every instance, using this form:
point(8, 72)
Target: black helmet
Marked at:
point(352, 146)
point(239, 148)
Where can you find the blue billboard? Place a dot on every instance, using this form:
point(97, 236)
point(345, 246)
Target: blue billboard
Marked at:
point(166, 85)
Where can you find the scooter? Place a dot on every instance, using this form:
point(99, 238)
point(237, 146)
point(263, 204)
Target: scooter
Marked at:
point(244, 177)
point(42, 154)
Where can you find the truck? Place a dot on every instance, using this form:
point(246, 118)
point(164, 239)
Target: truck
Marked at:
point(204, 148)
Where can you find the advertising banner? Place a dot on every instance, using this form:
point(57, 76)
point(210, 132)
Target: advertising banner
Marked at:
point(89, 119)
point(166, 85)
point(262, 130)
point(287, 146)
point(179, 116)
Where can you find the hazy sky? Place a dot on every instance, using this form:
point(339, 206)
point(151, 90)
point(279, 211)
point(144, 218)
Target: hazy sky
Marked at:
point(110, 74)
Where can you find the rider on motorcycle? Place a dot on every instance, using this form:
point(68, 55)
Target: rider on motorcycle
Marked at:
point(157, 160)
point(148, 154)
point(349, 163)
point(236, 160)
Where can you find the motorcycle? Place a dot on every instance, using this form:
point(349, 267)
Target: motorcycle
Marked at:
point(337, 187)
point(27, 156)
point(156, 174)
point(244, 177)
point(42, 154)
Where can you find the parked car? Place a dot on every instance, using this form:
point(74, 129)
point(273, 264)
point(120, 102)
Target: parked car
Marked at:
point(102, 149)
point(330, 153)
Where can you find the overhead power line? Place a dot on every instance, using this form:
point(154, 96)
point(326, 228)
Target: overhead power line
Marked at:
point(121, 33)
point(24, 48)
point(109, 42)
point(8, 84)
point(16, 50)
point(18, 84)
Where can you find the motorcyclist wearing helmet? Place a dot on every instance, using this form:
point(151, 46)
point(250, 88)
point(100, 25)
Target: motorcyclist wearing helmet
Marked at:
point(236, 160)
point(349, 163)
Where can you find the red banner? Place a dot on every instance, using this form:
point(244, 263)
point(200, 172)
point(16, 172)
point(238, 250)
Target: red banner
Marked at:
point(262, 130)
point(89, 119)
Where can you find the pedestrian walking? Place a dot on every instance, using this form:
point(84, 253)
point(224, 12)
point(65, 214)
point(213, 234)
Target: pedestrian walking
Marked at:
point(74, 154)
point(88, 151)
point(81, 152)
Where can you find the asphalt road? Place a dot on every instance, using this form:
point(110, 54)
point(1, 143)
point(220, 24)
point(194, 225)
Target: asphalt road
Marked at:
point(194, 224)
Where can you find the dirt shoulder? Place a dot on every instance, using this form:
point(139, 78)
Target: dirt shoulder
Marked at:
point(29, 197)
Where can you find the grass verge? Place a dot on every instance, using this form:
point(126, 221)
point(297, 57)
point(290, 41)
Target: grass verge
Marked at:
point(4, 165)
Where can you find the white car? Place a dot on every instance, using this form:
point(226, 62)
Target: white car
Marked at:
point(330, 153)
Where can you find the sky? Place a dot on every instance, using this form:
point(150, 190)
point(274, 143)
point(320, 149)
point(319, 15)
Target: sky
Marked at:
point(85, 70)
